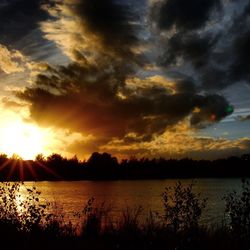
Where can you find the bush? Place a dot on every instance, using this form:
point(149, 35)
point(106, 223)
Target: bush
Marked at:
point(25, 214)
point(238, 210)
point(182, 207)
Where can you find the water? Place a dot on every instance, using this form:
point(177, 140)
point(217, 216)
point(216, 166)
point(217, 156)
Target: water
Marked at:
point(70, 197)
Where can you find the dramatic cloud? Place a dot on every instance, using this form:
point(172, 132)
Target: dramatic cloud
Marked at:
point(84, 28)
point(240, 69)
point(206, 110)
point(95, 99)
point(188, 47)
point(20, 29)
point(111, 21)
point(107, 93)
point(209, 38)
point(126, 75)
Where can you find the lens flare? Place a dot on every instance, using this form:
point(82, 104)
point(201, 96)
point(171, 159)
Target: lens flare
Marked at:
point(213, 117)
point(229, 110)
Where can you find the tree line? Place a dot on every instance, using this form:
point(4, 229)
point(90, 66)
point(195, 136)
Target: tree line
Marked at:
point(102, 166)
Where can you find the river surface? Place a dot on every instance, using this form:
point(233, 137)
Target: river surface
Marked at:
point(70, 197)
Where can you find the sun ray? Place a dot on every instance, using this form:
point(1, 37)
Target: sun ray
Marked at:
point(12, 169)
point(49, 170)
point(21, 170)
point(31, 170)
point(4, 165)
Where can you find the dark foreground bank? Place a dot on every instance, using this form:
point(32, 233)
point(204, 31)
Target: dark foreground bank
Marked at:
point(24, 224)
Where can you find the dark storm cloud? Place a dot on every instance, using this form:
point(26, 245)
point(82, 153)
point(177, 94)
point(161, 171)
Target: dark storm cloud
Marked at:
point(183, 15)
point(93, 96)
point(185, 85)
point(114, 22)
point(217, 51)
point(240, 68)
point(214, 78)
point(85, 98)
point(188, 42)
point(189, 47)
point(212, 108)
point(240, 30)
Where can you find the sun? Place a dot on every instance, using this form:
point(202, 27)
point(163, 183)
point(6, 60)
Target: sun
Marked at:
point(24, 139)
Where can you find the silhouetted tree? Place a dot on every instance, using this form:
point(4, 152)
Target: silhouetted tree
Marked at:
point(40, 158)
point(55, 158)
point(3, 157)
point(102, 165)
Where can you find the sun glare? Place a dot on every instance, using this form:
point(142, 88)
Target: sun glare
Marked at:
point(23, 139)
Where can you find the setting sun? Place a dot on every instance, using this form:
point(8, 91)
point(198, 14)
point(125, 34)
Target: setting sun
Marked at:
point(25, 140)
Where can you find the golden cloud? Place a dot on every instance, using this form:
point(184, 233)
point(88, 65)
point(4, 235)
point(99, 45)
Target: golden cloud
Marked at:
point(11, 61)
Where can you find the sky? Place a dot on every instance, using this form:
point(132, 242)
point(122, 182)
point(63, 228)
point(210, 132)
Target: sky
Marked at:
point(145, 78)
